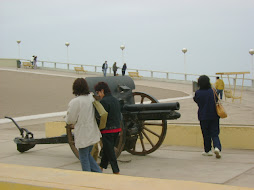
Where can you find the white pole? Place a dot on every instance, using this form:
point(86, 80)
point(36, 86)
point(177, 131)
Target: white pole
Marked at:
point(19, 41)
point(252, 70)
point(67, 55)
point(67, 45)
point(122, 47)
point(19, 51)
point(184, 63)
point(122, 58)
point(184, 50)
point(252, 66)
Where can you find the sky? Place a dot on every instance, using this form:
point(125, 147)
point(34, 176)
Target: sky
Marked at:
point(218, 34)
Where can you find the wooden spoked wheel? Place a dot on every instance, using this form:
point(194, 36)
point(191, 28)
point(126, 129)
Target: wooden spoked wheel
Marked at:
point(150, 134)
point(70, 138)
point(118, 148)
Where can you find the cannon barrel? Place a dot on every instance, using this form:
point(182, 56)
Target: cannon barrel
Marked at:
point(155, 111)
point(150, 107)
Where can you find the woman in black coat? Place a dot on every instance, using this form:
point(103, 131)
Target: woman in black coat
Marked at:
point(207, 115)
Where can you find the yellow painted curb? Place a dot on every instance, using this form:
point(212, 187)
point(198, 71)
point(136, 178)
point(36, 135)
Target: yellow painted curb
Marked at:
point(54, 129)
point(36, 178)
point(231, 137)
point(185, 135)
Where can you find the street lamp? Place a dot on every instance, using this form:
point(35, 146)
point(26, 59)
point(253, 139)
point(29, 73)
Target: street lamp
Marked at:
point(67, 45)
point(184, 50)
point(19, 41)
point(252, 64)
point(122, 47)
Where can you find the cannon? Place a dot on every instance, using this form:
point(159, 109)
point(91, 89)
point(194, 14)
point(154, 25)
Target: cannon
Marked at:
point(144, 124)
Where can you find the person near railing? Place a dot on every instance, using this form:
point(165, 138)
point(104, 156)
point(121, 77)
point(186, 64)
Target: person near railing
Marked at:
point(35, 62)
point(124, 69)
point(219, 85)
point(104, 68)
point(32, 60)
point(115, 68)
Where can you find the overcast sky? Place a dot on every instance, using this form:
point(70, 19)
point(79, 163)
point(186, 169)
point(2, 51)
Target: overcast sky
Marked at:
point(217, 33)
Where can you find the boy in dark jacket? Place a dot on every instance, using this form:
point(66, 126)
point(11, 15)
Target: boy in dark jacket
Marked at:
point(112, 129)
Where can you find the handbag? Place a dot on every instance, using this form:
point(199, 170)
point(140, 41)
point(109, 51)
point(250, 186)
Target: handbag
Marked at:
point(219, 107)
point(101, 114)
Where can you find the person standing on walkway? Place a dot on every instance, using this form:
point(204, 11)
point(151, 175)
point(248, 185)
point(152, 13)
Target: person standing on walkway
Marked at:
point(207, 115)
point(112, 129)
point(35, 62)
point(219, 86)
point(32, 60)
point(124, 69)
point(115, 68)
point(104, 68)
point(81, 114)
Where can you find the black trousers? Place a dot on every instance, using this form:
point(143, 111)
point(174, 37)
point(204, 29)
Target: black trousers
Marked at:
point(108, 152)
point(211, 130)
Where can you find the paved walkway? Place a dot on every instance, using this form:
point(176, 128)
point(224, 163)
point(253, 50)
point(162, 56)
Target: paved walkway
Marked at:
point(236, 167)
point(32, 92)
point(170, 162)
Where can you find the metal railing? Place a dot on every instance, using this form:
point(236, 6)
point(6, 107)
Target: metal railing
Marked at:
point(145, 73)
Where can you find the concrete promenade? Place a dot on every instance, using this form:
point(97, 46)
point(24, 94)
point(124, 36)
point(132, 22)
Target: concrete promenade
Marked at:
point(27, 92)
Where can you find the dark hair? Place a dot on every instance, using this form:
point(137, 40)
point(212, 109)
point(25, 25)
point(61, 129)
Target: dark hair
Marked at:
point(204, 82)
point(102, 85)
point(80, 87)
point(217, 77)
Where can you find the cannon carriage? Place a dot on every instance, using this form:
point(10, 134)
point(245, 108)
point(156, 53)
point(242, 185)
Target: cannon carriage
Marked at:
point(144, 124)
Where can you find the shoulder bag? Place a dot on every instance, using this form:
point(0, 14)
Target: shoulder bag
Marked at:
point(219, 108)
point(101, 114)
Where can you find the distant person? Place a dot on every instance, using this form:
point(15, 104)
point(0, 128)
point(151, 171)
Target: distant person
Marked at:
point(111, 132)
point(35, 62)
point(115, 68)
point(32, 60)
point(104, 68)
point(219, 85)
point(207, 115)
point(81, 114)
point(124, 69)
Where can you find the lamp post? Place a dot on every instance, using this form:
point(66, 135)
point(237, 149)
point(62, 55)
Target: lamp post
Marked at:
point(67, 45)
point(122, 47)
point(184, 50)
point(19, 41)
point(252, 64)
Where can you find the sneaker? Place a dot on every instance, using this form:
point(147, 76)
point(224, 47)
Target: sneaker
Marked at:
point(207, 153)
point(217, 152)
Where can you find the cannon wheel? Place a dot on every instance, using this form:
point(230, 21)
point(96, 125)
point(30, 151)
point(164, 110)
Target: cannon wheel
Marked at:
point(150, 134)
point(118, 148)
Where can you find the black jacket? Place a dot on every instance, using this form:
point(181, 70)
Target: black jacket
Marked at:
point(112, 106)
point(206, 104)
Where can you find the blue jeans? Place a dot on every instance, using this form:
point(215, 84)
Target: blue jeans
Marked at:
point(104, 72)
point(211, 130)
point(87, 161)
point(220, 92)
